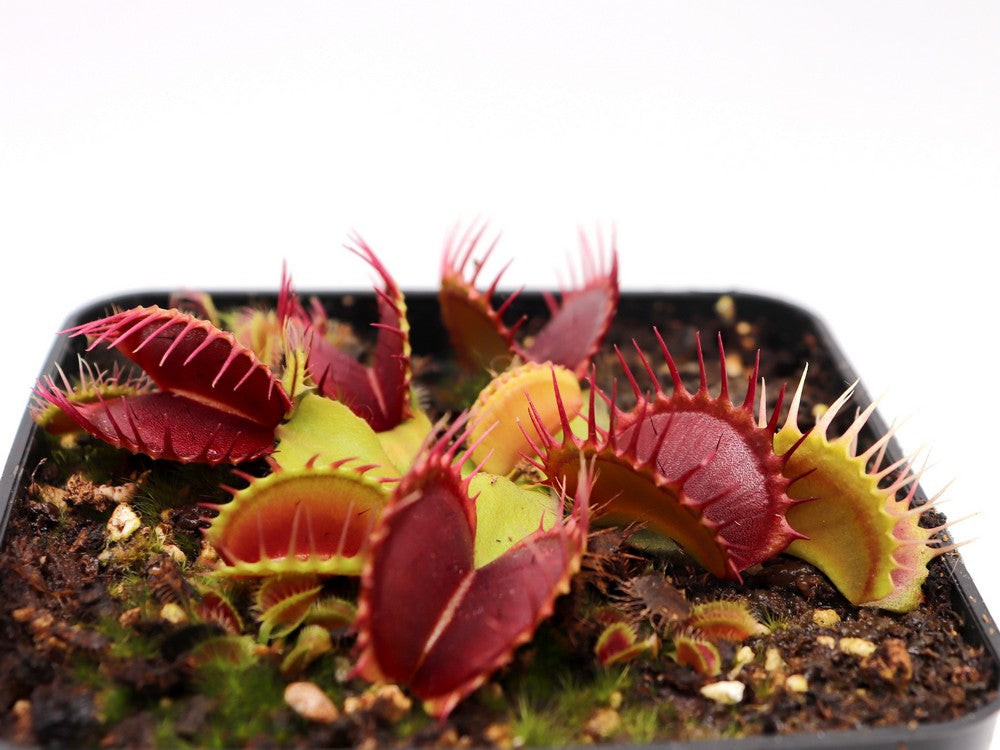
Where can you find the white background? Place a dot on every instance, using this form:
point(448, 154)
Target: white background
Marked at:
point(844, 156)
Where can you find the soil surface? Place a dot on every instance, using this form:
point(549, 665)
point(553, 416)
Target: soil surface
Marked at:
point(102, 642)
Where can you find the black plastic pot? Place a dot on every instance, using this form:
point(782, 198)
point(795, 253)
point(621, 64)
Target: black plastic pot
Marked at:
point(788, 329)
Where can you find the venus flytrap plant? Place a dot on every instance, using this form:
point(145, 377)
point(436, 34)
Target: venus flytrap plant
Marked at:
point(216, 608)
point(279, 525)
point(284, 601)
point(861, 526)
point(316, 519)
point(693, 467)
point(619, 643)
point(725, 620)
point(442, 623)
point(379, 392)
point(698, 653)
point(512, 399)
point(461, 537)
point(570, 338)
point(89, 387)
point(215, 401)
point(695, 639)
point(692, 630)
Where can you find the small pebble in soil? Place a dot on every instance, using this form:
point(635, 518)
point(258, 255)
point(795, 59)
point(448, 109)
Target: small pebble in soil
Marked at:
point(892, 662)
point(604, 723)
point(856, 647)
point(54, 496)
point(207, 556)
point(176, 553)
point(726, 692)
point(734, 365)
point(342, 669)
point(124, 522)
point(744, 655)
point(130, 617)
point(386, 702)
point(310, 702)
point(163, 536)
point(796, 683)
point(773, 661)
point(725, 308)
point(499, 735)
point(391, 704)
point(22, 721)
point(173, 613)
point(825, 618)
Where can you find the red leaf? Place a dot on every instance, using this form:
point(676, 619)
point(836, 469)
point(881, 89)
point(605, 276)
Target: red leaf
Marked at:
point(379, 394)
point(193, 358)
point(478, 334)
point(582, 317)
point(165, 425)
point(427, 617)
point(691, 466)
point(218, 402)
point(481, 338)
point(698, 654)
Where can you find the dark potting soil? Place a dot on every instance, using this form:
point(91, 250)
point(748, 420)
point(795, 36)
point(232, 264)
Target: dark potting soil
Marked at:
point(98, 646)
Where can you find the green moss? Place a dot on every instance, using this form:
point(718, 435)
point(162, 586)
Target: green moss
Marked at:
point(130, 590)
point(411, 724)
point(249, 702)
point(641, 723)
point(535, 727)
point(552, 703)
point(97, 461)
point(179, 485)
point(644, 722)
point(126, 643)
point(553, 711)
point(773, 621)
point(323, 672)
point(116, 703)
point(458, 389)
